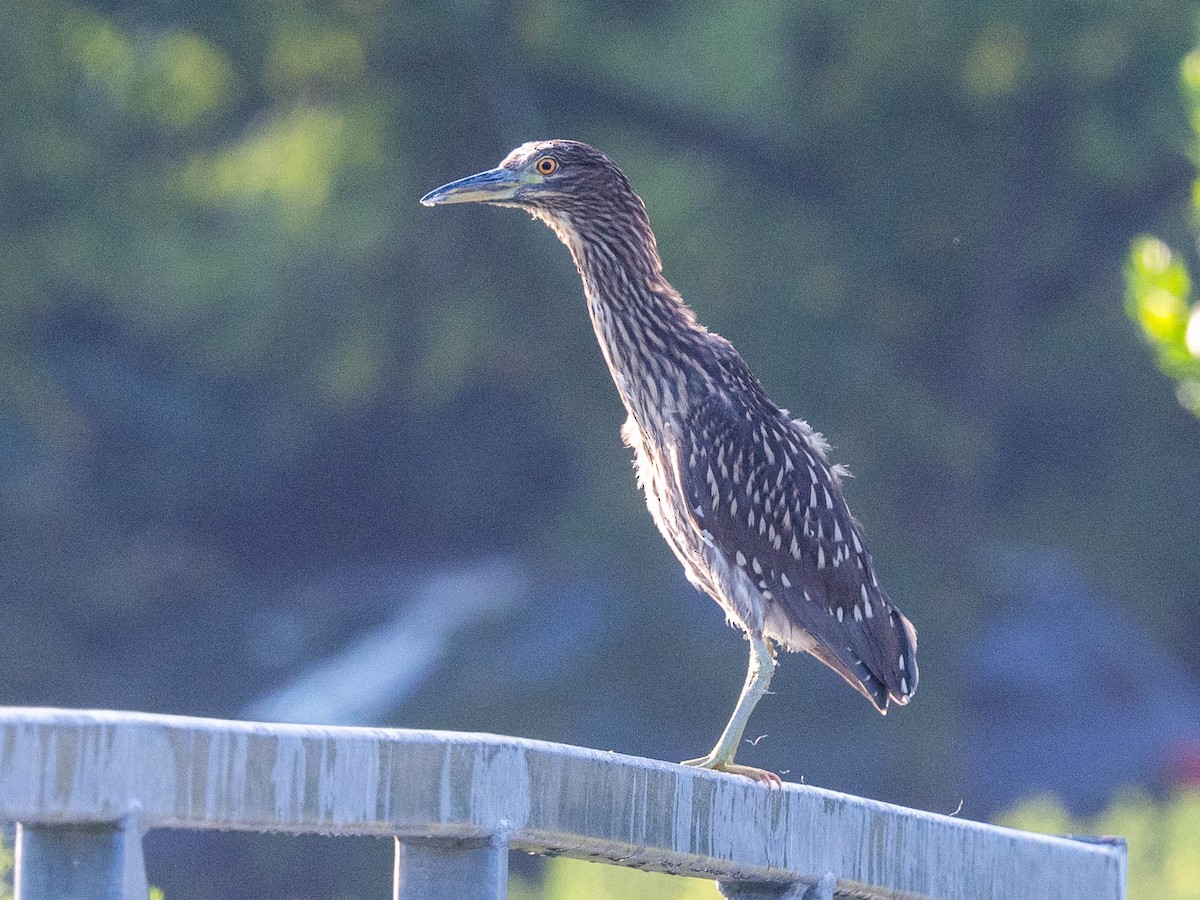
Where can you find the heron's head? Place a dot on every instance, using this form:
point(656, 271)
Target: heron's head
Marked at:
point(567, 184)
point(545, 175)
point(575, 189)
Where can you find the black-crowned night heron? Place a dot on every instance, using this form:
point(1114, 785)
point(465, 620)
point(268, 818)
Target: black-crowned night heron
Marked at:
point(743, 493)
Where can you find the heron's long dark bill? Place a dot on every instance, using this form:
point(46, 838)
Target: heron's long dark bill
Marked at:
point(494, 185)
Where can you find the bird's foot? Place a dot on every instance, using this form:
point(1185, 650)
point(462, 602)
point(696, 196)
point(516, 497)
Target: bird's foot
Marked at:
point(762, 776)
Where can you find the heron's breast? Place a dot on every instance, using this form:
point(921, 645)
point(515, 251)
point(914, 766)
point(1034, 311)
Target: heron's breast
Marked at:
point(657, 465)
point(652, 463)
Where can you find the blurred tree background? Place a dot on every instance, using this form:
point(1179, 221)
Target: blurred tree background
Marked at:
point(1159, 294)
point(240, 364)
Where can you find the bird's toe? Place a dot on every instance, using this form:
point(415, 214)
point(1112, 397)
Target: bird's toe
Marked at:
point(762, 776)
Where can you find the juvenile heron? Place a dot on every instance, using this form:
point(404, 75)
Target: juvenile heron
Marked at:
point(743, 493)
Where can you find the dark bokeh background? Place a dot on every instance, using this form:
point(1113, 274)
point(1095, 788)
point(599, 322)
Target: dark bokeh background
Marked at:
point(280, 442)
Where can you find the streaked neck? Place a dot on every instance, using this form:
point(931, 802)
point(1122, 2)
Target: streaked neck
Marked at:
point(649, 337)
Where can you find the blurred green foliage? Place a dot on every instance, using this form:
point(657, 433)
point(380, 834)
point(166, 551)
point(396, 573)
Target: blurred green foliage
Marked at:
point(6, 870)
point(1163, 837)
point(231, 338)
point(229, 334)
point(573, 879)
point(1158, 288)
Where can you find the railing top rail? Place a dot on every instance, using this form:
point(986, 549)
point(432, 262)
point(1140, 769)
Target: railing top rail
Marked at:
point(60, 766)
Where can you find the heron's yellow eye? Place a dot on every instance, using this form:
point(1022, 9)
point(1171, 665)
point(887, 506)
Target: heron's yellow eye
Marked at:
point(547, 165)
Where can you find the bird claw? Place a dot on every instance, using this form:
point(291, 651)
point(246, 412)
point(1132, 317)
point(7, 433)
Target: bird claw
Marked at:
point(761, 776)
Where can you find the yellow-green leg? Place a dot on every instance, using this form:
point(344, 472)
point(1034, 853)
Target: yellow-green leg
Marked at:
point(758, 679)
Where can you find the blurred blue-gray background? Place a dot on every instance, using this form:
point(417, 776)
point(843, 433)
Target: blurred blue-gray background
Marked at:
point(280, 443)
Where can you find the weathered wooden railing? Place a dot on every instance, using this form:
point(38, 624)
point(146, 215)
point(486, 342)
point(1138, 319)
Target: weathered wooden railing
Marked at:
point(83, 786)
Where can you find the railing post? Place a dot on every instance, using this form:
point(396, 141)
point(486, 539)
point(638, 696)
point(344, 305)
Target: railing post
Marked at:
point(80, 862)
point(451, 870)
point(822, 890)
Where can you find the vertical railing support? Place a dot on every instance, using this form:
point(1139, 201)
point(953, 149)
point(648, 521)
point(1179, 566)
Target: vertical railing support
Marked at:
point(822, 890)
point(80, 862)
point(451, 870)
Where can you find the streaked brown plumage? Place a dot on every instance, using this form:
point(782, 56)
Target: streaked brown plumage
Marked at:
point(743, 494)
